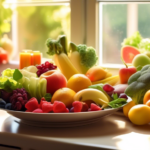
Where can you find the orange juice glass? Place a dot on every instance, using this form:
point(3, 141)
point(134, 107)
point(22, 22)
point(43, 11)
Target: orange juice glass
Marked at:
point(25, 58)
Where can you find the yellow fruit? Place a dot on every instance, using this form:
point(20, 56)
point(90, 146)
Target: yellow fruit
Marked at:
point(96, 73)
point(78, 82)
point(139, 114)
point(127, 107)
point(64, 95)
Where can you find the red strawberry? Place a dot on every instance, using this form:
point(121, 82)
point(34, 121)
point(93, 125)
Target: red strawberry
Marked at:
point(59, 107)
point(32, 104)
point(38, 110)
point(47, 107)
point(94, 107)
point(43, 100)
point(28, 111)
point(67, 110)
point(85, 107)
point(77, 106)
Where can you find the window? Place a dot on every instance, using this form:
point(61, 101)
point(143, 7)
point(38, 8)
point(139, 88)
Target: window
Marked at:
point(117, 21)
point(102, 24)
point(32, 22)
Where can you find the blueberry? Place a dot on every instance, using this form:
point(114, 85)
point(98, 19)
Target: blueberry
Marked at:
point(2, 103)
point(8, 106)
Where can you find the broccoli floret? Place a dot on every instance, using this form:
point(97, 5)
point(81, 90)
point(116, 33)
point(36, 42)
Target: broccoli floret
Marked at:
point(54, 47)
point(88, 55)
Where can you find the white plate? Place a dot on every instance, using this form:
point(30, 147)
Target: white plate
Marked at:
point(60, 119)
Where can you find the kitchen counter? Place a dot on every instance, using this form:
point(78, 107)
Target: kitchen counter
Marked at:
point(108, 133)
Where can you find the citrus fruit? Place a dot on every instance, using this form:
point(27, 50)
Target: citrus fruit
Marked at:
point(96, 73)
point(139, 114)
point(127, 107)
point(128, 53)
point(78, 82)
point(64, 95)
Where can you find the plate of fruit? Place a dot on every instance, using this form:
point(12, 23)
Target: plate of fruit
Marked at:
point(72, 90)
point(51, 100)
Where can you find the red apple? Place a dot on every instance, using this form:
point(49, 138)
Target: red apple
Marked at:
point(125, 73)
point(55, 80)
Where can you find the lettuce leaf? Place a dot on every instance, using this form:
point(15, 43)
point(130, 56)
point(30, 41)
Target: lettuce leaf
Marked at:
point(8, 72)
point(9, 84)
point(134, 40)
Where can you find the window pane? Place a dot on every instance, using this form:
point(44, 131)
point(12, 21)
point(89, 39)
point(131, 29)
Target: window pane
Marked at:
point(118, 21)
point(32, 25)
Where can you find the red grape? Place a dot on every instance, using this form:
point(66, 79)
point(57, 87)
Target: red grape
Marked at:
point(44, 68)
point(108, 88)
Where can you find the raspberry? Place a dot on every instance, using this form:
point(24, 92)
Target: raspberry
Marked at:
point(32, 104)
point(47, 107)
point(59, 107)
point(18, 99)
point(38, 110)
point(94, 107)
point(77, 106)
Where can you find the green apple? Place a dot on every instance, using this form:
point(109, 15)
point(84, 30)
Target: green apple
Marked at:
point(147, 53)
point(140, 60)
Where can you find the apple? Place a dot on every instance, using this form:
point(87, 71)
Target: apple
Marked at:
point(125, 73)
point(140, 60)
point(55, 80)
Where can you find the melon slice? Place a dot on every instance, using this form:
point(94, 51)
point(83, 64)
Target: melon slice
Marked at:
point(128, 53)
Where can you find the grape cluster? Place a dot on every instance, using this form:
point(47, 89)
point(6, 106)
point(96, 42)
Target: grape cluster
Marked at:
point(18, 99)
point(45, 67)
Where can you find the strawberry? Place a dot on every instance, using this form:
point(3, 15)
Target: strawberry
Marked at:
point(38, 110)
point(77, 106)
point(94, 107)
point(43, 100)
point(67, 110)
point(59, 107)
point(32, 104)
point(85, 106)
point(47, 107)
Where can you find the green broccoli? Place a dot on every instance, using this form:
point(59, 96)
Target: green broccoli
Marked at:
point(88, 55)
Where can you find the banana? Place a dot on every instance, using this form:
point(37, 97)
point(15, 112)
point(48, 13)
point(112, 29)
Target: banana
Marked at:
point(108, 74)
point(113, 80)
point(92, 94)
